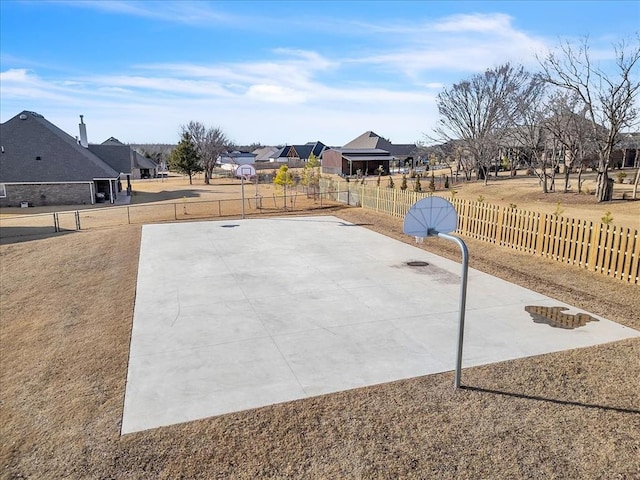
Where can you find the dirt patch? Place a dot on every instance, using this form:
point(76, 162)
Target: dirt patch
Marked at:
point(66, 306)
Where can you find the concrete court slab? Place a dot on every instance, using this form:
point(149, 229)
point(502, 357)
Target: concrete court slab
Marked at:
point(238, 314)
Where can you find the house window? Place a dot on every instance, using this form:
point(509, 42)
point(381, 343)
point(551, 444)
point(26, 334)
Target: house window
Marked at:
point(3, 191)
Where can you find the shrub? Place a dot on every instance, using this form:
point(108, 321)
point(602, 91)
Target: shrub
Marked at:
point(480, 199)
point(607, 219)
point(417, 187)
point(621, 176)
point(559, 210)
point(403, 185)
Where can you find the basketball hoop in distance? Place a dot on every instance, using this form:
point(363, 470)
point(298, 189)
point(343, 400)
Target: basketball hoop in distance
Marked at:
point(245, 172)
point(436, 217)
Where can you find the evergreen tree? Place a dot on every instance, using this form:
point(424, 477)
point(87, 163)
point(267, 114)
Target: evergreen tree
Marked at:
point(403, 186)
point(432, 183)
point(391, 184)
point(379, 170)
point(416, 186)
point(184, 158)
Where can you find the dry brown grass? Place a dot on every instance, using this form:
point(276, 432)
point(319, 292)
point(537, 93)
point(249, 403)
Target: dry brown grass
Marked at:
point(66, 306)
point(525, 193)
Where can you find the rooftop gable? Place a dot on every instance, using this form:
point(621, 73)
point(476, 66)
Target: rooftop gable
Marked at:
point(112, 141)
point(35, 150)
point(369, 139)
point(265, 153)
point(118, 157)
point(302, 152)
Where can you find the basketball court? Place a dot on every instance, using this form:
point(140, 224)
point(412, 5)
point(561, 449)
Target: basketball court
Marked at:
point(238, 314)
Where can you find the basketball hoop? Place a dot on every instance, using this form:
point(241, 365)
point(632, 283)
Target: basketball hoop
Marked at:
point(436, 217)
point(245, 173)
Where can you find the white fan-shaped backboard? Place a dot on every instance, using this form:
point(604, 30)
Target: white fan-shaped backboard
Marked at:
point(245, 171)
point(430, 216)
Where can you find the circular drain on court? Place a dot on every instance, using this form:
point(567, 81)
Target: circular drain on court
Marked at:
point(417, 263)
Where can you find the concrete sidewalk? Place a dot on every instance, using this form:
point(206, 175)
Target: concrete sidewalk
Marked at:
point(238, 314)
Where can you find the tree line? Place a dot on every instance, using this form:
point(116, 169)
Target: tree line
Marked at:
point(569, 112)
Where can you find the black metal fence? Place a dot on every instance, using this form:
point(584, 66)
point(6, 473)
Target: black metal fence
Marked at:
point(110, 216)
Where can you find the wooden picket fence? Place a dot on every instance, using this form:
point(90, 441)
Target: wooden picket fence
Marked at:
point(608, 249)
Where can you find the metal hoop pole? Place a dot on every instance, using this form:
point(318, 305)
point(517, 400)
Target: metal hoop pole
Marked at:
point(463, 302)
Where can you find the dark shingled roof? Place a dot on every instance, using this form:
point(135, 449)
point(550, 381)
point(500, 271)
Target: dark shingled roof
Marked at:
point(371, 139)
point(35, 150)
point(140, 161)
point(116, 156)
point(136, 159)
point(303, 151)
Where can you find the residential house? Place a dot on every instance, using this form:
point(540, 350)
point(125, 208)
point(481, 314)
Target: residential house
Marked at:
point(42, 165)
point(298, 155)
point(265, 154)
point(231, 160)
point(628, 153)
point(367, 154)
point(140, 166)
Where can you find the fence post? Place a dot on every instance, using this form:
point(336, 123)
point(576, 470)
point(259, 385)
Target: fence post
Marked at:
point(542, 225)
point(395, 202)
point(499, 235)
point(56, 226)
point(128, 216)
point(175, 211)
point(594, 245)
point(78, 220)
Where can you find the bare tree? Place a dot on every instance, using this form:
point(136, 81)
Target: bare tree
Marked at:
point(527, 137)
point(567, 124)
point(478, 111)
point(210, 144)
point(608, 98)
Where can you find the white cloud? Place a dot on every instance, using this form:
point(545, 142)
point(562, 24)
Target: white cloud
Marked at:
point(459, 43)
point(482, 23)
point(288, 95)
point(187, 12)
point(275, 94)
point(21, 83)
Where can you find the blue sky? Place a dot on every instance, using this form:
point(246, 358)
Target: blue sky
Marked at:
point(273, 72)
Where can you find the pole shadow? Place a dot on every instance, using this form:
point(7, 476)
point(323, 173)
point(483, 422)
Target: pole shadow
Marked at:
point(550, 400)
